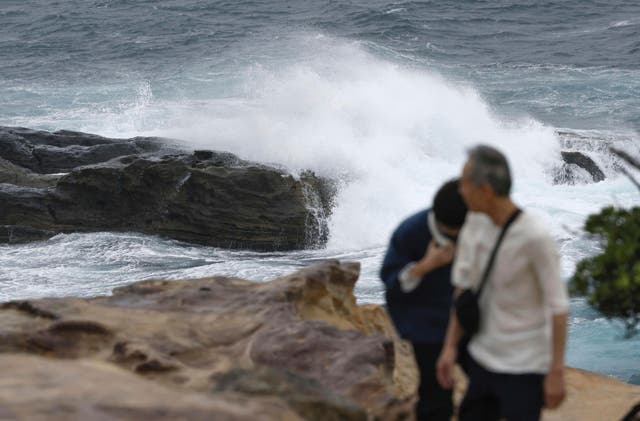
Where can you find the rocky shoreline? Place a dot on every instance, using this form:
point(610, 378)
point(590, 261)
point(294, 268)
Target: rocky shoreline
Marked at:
point(76, 182)
point(297, 347)
point(67, 181)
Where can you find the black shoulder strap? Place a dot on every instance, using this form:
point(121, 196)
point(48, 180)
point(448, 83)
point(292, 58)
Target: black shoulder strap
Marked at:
point(487, 269)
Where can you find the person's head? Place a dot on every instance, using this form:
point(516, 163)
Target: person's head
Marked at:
point(486, 178)
point(449, 209)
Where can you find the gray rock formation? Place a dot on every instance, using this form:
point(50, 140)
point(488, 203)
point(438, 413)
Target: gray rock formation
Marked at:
point(575, 163)
point(48, 153)
point(587, 157)
point(205, 197)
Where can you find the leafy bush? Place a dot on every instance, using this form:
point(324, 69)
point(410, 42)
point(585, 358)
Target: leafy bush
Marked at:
point(611, 280)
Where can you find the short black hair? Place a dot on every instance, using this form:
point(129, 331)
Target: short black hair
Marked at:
point(448, 206)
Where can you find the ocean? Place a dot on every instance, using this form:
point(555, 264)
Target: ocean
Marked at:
point(383, 97)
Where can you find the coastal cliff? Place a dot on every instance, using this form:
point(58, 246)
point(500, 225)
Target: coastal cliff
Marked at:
point(296, 347)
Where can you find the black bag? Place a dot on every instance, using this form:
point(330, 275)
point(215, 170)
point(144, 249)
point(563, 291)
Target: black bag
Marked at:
point(466, 305)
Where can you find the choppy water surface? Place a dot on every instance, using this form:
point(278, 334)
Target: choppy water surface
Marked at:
point(383, 96)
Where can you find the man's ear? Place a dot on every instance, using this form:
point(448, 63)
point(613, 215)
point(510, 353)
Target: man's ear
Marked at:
point(488, 191)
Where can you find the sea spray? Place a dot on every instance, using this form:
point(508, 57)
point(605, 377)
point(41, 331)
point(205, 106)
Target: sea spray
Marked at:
point(386, 108)
point(389, 134)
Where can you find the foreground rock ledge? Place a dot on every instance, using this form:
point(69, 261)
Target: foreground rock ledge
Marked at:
point(297, 347)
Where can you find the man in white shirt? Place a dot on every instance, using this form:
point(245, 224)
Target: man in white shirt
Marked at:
point(516, 359)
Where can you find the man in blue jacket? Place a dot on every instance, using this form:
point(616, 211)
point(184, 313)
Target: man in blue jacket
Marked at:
point(417, 275)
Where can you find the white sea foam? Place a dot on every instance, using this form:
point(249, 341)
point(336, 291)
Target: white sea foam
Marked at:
point(388, 133)
point(624, 23)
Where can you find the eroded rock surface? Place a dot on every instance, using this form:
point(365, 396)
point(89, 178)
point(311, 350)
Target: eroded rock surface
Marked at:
point(35, 388)
point(297, 347)
point(76, 182)
point(47, 153)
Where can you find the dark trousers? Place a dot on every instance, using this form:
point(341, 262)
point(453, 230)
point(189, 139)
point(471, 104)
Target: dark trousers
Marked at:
point(494, 396)
point(434, 403)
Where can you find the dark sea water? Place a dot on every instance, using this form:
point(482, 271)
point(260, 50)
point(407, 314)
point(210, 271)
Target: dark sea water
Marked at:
point(382, 96)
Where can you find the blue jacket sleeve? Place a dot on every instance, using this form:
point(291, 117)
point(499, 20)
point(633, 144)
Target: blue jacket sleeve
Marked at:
point(397, 257)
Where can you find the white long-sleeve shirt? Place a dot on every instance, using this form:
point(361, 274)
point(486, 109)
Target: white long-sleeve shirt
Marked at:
point(523, 291)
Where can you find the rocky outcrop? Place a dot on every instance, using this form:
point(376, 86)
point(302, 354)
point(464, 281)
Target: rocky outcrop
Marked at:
point(13, 174)
point(577, 160)
point(587, 157)
point(42, 389)
point(205, 197)
point(298, 347)
point(47, 153)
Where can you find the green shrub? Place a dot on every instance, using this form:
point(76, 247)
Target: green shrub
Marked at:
point(611, 279)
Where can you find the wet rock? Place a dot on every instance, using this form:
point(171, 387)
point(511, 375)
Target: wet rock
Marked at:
point(25, 214)
point(13, 174)
point(46, 153)
point(576, 168)
point(252, 207)
point(14, 234)
point(587, 156)
point(205, 197)
point(583, 161)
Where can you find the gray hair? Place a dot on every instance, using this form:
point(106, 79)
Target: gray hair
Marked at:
point(489, 166)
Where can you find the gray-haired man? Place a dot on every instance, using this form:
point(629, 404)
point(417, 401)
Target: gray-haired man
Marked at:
point(517, 357)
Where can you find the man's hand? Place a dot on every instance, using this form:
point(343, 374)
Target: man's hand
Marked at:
point(554, 389)
point(439, 255)
point(435, 257)
point(445, 365)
